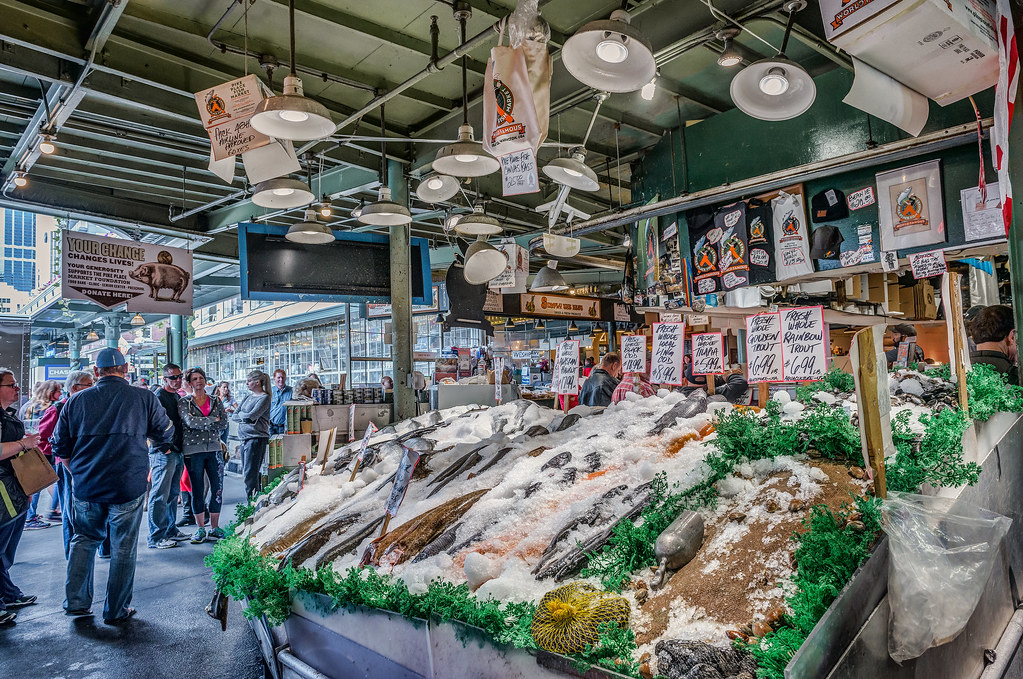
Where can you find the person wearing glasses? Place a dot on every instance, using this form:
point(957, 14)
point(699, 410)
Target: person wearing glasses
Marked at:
point(165, 467)
point(13, 440)
point(203, 418)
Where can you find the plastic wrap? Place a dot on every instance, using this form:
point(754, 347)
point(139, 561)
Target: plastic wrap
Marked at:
point(525, 23)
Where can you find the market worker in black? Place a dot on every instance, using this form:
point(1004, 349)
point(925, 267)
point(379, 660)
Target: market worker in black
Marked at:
point(994, 331)
point(904, 332)
point(599, 387)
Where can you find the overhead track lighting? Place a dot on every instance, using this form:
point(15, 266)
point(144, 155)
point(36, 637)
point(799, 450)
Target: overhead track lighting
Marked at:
point(309, 231)
point(46, 144)
point(436, 188)
point(478, 223)
point(465, 157)
point(384, 212)
point(282, 192)
point(729, 55)
point(610, 55)
point(292, 115)
point(775, 88)
point(20, 179)
point(548, 279)
point(483, 262)
point(92, 336)
point(137, 320)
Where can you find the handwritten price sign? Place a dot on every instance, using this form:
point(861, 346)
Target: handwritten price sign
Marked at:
point(803, 343)
point(634, 354)
point(927, 264)
point(518, 173)
point(765, 361)
point(669, 347)
point(566, 368)
point(708, 353)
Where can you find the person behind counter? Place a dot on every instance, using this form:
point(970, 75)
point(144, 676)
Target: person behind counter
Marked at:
point(388, 385)
point(904, 332)
point(733, 386)
point(599, 387)
point(994, 331)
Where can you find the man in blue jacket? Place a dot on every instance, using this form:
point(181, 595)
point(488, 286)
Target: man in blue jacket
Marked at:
point(281, 394)
point(101, 435)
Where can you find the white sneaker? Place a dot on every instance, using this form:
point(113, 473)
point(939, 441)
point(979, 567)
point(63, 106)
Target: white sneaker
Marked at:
point(166, 544)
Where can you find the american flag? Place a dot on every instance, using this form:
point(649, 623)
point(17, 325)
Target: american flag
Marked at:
point(1005, 98)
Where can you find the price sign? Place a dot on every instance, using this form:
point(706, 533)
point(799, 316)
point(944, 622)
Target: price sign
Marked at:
point(566, 368)
point(370, 430)
point(804, 343)
point(670, 318)
point(498, 377)
point(634, 354)
point(764, 357)
point(927, 264)
point(351, 422)
point(708, 353)
point(401, 480)
point(698, 319)
point(861, 199)
point(518, 173)
point(669, 347)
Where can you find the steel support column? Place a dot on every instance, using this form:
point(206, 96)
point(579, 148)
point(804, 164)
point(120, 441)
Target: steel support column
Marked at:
point(176, 340)
point(74, 349)
point(112, 329)
point(1016, 227)
point(401, 300)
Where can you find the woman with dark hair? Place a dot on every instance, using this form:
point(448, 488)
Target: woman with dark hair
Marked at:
point(253, 418)
point(994, 331)
point(202, 420)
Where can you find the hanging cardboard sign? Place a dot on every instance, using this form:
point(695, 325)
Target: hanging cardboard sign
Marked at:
point(409, 460)
point(670, 317)
point(804, 343)
point(564, 306)
point(225, 111)
point(708, 353)
point(110, 271)
point(519, 173)
point(566, 368)
point(765, 360)
point(927, 264)
point(668, 351)
point(634, 354)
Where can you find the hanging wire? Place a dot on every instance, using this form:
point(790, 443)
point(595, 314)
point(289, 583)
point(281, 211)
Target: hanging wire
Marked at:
point(618, 165)
point(291, 21)
point(245, 42)
point(727, 19)
point(465, 82)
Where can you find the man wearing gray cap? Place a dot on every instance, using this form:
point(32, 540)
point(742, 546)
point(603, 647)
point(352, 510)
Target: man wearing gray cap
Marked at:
point(101, 434)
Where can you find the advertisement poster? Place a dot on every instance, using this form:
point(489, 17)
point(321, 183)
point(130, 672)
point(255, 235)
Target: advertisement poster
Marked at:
point(225, 111)
point(111, 271)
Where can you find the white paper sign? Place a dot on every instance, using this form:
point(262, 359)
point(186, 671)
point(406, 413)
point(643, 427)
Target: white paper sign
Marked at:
point(566, 368)
point(522, 355)
point(670, 318)
point(804, 343)
point(621, 312)
point(889, 260)
point(518, 173)
point(110, 271)
point(370, 430)
point(498, 377)
point(765, 361)
point(508, 278)
point(668, 351)
point(634, 354)
point(861, 199)
point(708, 353)
point(225, 111)
point(700, 319)
point(927, 264)
point(982, 220)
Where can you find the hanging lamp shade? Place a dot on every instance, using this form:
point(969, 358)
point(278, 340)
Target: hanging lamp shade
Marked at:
point(137, 320)
point(509, 323)
point(92, 336)
point(610, 55)
point(309, 231)
point(773, 89)
point(478, 224)
point(483, 262)
point(385, 212)
point(540, 325)
point(436, 188)
point(465, 157)
point(292, 115)
point(548, 279)
point(282, 192)
point(572, 172)
point(573, 327)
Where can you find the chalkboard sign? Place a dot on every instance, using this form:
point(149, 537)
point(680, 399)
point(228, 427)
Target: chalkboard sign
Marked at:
point(708, 353)
point(566, 368)
point(669, 348)
point(804, 343)
point(764, 359)
point(634, 354)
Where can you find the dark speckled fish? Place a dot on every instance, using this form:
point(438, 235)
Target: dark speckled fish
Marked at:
point(691, 407)
point(559, 460)
point(537, 430)
point(438, 545)
point(569, 420)
point(349, 544)
point(411, 537)
point(311, 543)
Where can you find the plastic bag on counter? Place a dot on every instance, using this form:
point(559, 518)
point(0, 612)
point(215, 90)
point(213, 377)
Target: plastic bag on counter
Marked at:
point(941, 558)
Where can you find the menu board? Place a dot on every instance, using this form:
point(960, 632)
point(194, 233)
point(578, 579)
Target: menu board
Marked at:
point(669, 348)
point(764, 359)
point(708, 353)
point(804, 343)
point(634, 354)
point(566, 368)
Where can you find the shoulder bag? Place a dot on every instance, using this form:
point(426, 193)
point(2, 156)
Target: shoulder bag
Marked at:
point(33, 470)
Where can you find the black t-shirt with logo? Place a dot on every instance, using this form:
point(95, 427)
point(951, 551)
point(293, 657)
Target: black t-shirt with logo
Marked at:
point(761, 242)
point(702, 232)
point(732, 245)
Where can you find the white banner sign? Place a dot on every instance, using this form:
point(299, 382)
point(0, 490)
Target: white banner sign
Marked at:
point(225, 110)
point(708, 353)
point(111, 271)
point(668, 351)
point(634, 354)
point(566, 368)
point(804, 343)
point(498, 377)
point(764, 359)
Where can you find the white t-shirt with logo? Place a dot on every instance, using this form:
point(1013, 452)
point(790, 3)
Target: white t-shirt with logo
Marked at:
point(791, 243)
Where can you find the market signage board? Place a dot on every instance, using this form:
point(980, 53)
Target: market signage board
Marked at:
point(560, 305)
point(225, 111)
point(634, 354)
point(708, 353)
point(765, 361)
point(566, 368)
point(111, 271)
point(668, 351)
point(804, 343)
point(927, 264)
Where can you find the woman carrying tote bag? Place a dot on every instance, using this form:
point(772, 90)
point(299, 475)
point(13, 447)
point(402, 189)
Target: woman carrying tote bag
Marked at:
point(202, 419)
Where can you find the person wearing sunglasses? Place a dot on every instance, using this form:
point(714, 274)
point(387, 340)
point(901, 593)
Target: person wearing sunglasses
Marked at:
point(165, 467)
point(12, 441)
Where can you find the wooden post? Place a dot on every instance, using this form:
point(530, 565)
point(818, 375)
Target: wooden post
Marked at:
point(710, 384)
point(763, 394)
point(871, 408)
point(958, 327)
point(354, 472)
point(383, 529)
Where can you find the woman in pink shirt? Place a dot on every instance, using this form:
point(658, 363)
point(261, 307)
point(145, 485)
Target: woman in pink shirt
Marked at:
point(203, 418)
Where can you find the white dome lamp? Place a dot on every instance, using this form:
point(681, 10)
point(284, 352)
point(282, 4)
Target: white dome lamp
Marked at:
point(478, 223)
point(437, 188)
point(573, 172)
point(292, 115)
point(282, 192)
point(483, 262)
point(548, 279)
point(310, 231)
point(384, 212)
point(610, 55)
point(775, 88)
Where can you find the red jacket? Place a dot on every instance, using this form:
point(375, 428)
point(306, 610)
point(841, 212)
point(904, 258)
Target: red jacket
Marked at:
point(46, 426)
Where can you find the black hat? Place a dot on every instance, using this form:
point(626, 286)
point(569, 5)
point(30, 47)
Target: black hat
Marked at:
point(827, 206)
point(825, 242)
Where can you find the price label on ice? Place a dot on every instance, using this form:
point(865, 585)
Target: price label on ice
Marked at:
point(708, 353)
point(634, 354)
point(566, 368)
point(401, 480)
point(498, 377)
point(518, 173)
point(669, 348)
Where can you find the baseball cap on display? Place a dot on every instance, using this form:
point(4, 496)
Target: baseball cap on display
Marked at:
point(828, 205)
point(825, 242)
point(109, 358)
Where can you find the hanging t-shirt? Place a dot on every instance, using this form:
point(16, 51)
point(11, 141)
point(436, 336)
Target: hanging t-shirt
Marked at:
point(761, 242)
point(733, 247)
point(704, 236)
point(791, 242)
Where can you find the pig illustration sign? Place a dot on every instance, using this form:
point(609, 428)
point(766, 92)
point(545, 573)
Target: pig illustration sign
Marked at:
point(111, 271)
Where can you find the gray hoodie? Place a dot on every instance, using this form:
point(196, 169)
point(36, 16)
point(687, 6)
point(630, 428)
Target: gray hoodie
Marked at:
point(253, 416)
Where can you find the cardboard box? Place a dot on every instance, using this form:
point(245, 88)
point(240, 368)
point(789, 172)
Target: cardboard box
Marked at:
point(907, 301)
point(943, 49)
point(894, 299)
point(876, 288)
point(329, 417)
point(925, 306)
point(856, 287)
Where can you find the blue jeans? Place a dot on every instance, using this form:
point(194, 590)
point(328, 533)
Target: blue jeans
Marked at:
point(10, 536)
point(165, 472)
point(92, 520)
point(65, 488)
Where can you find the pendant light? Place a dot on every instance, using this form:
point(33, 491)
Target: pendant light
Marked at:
point(92, 336)
point(610, 55)
point(548, 279)
point(729, 55)
point(573, 327)
point(466, 157)
point(310, 231)
point(292, 115)
point(384, 212)
point(436, 188)
point(478, 223)
point(574, 172)
point(540, 325)
point(282, 192)
point(775, 88)
point(483, 262)
point(509, 324)
point(137, 320)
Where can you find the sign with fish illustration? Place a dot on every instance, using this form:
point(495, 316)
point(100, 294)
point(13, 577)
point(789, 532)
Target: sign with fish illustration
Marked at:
point(409, 460)
point(566, 368)
point(667, 354)
point(910, 206)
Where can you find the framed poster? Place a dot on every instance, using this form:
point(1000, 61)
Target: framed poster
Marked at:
point(910, 207)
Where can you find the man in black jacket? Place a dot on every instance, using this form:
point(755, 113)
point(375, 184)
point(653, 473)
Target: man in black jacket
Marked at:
point(600, 385)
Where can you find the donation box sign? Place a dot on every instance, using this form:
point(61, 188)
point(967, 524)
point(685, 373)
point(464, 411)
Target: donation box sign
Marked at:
point(111, 271)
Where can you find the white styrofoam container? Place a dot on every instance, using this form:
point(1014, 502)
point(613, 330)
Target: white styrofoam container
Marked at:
point(943, 49)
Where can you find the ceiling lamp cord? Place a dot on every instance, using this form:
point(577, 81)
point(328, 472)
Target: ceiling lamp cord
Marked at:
point(465, 82)
point(383, 146)
point(291, 28)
